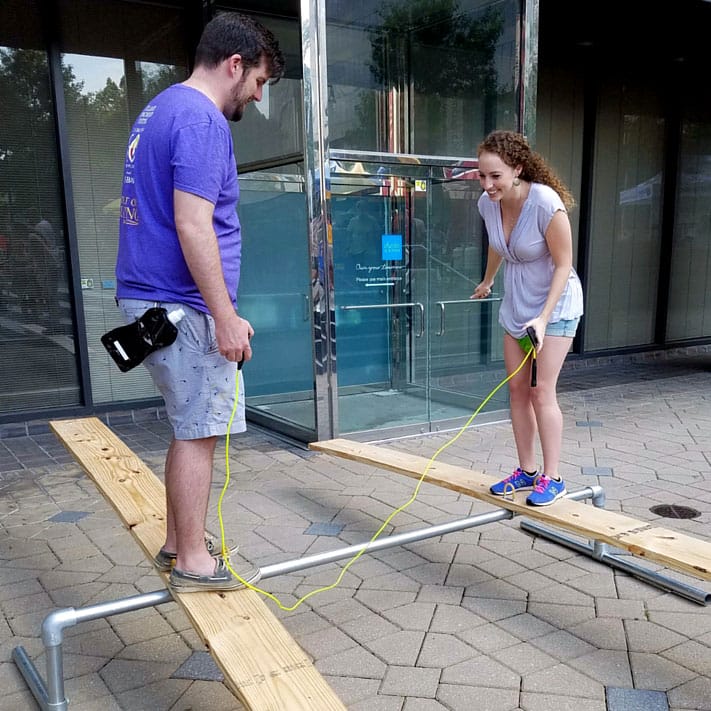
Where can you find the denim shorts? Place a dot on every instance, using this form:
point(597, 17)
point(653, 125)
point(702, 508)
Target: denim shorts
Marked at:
point(196, 382)
point(565, 327)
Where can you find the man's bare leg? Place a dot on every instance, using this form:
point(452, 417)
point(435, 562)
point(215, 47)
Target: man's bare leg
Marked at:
point(171, 542)
point(188, 477)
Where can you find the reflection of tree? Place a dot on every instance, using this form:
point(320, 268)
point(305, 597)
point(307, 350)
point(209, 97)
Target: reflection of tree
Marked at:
point(465, 46)
point(27, 143)
point(439, 49)
point(28, 168)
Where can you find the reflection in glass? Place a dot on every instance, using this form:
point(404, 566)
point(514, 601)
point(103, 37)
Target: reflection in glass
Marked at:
point(407, 248)
point(626, 226)
point(105, 88)
point(429, 77)
point(274, 295)
point(690, 295)
point(39, 365)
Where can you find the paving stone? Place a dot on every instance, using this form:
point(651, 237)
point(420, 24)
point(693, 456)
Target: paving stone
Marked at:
point(459, 698)
point(411, 681)
point(401, 648)
point(482, 671)
point(494, 609)
point(354, 690)
point(207, 695)
point(121, 675)
point(691, 655)
point(562, 676)
point(554, 702)
point(562, 645)
point(343, 664)
point(416, 616)
point(609, 667)
point(648, 637)
point(439, 650)
point(421, 705)
point(526, 626)
point(326, 642)
point(605, 633)
point(625, 609)
point(651, 671)
point(489, 637)
point(691, 625)
point(157, 696)
point(524, 658)
point(199, 665)
point(636, 700)
point(694, 694)
point(448, 594)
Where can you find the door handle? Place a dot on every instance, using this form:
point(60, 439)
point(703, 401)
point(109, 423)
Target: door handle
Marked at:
point(442, 304)
point(415, 304)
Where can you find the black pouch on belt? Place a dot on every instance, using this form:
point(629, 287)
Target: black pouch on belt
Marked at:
point(129, 345)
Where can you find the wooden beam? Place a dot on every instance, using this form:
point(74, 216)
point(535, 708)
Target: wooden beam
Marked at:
point(642, 538)
point(262, 664)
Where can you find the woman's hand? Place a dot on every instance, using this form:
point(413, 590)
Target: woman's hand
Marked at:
point(482, 291)
point(539, 326)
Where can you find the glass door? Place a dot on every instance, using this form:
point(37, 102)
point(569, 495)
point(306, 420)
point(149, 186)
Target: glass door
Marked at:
point(414, 353)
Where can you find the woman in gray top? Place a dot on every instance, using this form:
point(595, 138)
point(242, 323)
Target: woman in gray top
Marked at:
point(524, 207)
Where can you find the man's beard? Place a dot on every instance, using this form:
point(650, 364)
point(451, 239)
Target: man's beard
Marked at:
point(240, 102)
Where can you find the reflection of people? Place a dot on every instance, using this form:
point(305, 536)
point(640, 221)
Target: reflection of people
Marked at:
point(524, 208)
point(363, 231)
point(42, 244)
point(180, 246)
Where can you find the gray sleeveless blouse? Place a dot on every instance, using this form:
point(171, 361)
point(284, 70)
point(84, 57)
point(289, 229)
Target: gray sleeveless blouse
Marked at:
point(528, 264)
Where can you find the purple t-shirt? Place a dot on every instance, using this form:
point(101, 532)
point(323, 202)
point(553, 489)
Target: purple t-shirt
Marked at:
point(181, 140)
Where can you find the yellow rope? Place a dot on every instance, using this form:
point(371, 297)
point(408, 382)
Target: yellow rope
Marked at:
point(286, 608)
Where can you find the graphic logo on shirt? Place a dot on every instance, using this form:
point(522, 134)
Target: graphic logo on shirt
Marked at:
point(129, 210)
point(132, 146)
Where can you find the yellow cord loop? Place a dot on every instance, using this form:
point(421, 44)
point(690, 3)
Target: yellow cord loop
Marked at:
point(345, 568)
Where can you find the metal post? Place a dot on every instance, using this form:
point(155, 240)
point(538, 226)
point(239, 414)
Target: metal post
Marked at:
point(51, 696)
point(402, 539)
point(380, 544)
point(598, 550)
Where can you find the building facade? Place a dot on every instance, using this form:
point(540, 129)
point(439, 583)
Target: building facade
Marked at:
point(362, 241)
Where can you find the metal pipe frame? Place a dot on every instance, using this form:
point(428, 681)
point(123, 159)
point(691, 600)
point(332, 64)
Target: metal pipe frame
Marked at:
point(598, 550)
point(50, 695)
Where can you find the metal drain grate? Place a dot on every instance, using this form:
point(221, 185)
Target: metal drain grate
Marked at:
point(674, 511)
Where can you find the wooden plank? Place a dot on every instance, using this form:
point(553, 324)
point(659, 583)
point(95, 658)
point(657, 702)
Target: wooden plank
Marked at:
point(642, 538)
point(262, 664)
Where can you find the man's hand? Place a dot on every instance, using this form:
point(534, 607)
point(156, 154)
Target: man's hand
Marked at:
point(233, 334)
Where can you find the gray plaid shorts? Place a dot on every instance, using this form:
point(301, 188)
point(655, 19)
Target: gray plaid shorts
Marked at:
point(196, 382)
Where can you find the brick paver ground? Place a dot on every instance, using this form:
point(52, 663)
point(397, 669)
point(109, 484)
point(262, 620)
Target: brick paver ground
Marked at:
point(489, 619)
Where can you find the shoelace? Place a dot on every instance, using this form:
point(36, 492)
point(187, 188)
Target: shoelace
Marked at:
point(512, 477)
point(542, 484)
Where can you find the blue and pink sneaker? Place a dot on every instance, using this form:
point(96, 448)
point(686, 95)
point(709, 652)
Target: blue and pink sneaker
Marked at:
point(546, 491)
point(518, 481)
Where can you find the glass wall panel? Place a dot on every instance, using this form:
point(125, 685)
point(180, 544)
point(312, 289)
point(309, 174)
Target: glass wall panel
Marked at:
point(690, 291)
point(115, 57)
point(275, 295)
point(37, 349)
point(272, 129)
point(625, 235)
point(428, 77)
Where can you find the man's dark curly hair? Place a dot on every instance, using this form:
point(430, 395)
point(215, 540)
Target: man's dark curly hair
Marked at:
point(233, 33)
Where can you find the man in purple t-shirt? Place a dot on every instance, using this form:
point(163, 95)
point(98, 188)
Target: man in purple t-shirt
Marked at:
point(179, 247)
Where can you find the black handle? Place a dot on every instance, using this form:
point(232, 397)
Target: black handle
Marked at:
point(531, 332)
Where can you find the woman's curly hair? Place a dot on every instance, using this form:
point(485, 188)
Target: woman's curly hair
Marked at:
point(514, 150)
